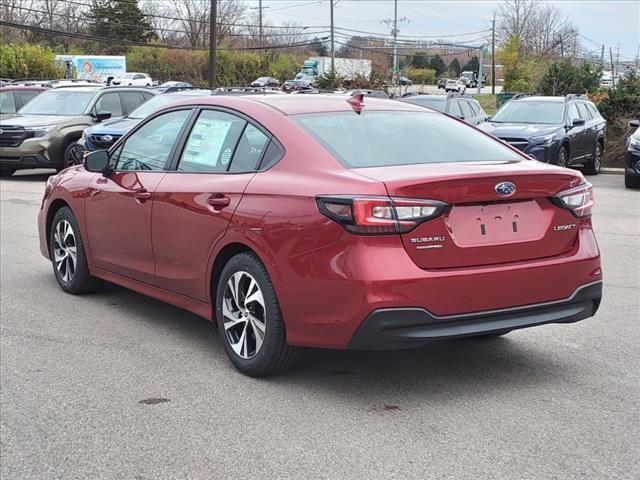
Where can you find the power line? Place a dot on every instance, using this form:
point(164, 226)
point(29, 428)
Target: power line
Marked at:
point(142, 44)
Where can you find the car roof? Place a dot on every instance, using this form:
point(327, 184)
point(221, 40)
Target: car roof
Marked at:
point(299, 104)
point(23, 87)
point(83, 88)
point(540, 98)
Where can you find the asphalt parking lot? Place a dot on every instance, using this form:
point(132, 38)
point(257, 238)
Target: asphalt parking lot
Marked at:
point(117, 385)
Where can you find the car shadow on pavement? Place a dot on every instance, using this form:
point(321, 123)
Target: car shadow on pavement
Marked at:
point(39, 176)
point(381, 381)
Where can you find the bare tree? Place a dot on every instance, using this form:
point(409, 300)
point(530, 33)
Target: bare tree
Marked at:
point(542, 28)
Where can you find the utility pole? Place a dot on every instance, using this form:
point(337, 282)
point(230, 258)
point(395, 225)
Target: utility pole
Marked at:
point(395, 32)
point(480, 67)
point(213, 40)
point(493, 55)
point(602, 57)
point(332, 48)
point(260, 8)
point(613, 72)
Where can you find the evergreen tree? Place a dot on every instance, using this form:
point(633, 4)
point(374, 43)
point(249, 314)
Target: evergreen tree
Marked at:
point(319, 48)
point(119, 20)
point(454, 68)
point(438, 65)
point(472, 65)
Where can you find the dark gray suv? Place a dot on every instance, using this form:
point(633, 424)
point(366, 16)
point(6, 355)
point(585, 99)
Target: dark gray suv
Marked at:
point(43, 133)
point(565, 131)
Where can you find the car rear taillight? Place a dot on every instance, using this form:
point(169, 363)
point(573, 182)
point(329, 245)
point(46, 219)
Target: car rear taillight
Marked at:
point(378, 215)
point(578, 200)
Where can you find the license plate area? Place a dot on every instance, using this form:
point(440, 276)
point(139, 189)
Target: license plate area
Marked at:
point(496, 223)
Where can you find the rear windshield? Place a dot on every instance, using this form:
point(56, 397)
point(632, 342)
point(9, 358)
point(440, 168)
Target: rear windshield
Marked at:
point(58, 102)
point(439, 104)
point(378, 139)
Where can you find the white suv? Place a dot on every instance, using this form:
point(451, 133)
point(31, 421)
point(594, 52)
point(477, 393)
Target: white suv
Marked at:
point(133, 79)
point(455, 86)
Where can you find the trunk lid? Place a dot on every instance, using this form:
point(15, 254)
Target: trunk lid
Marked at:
point(481, 227)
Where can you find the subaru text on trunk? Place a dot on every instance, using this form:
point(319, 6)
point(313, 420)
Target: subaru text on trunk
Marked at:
point(357, 223)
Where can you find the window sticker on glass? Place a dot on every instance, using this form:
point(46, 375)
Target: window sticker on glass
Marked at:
point(206, 141)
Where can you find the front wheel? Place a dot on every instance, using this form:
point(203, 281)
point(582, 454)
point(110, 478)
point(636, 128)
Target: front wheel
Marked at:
point(72, 156)
point(593, 168)
point(249, 321)
point(631, 182)
point(68, 255)
point(563, 157)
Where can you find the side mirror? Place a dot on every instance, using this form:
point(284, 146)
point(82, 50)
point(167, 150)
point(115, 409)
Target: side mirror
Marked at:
point(101, 116)
point(97, 162)
point(578, 122)
point(634, 123)
point(487, 118)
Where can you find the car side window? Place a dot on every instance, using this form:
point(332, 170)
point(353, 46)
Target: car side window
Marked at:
point(593, 110)
point(138, 76)
point(131, 100)
point(584, 112)
point(249, 150)
point(272, 155)
point(454, 109)
point(109, 102)
point(466, 109)
point(149, 147)
point(573, 113)
point(211, 143)
point(26, 96)
point(7, 102)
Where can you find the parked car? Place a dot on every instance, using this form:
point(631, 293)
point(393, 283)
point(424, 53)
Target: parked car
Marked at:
point(632, 158)
point(44, 133)
point(105, 134)
point(404, 82)
point(132, 79)
point(562, 130)
point(246, 91)
point(13, 98)
point(469, 78)
point(300, 84)
point(169, 87)
point(374, 241)
point(455, 86)
point(266, 82)
point(459, 105)
point(442, 83)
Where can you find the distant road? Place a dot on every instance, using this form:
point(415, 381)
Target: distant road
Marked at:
point(432, 89)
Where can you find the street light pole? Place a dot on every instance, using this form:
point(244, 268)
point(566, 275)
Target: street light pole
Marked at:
point(213, 39)
point(395, 44)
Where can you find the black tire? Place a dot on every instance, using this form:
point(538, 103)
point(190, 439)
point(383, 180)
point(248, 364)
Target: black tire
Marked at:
point(70, 156)
point(7, 172)
point(80, 281)
point(274, 355)
point(563, 157)
point(631, 181)
point(593, 167)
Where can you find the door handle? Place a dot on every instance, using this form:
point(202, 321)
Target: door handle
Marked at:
point(218, 201)
point(142, 195)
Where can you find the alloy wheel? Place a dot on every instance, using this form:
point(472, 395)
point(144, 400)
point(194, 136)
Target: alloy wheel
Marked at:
point(75, 155)
point(244, 315)
point(562, 158)
point(597, 158)
point(65, 253)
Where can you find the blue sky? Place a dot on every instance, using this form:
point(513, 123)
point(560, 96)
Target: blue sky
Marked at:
point(608, 22)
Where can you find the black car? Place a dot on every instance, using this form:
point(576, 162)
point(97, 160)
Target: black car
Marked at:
point(442, 83)
point(266, 82)
point(405, 82)
point(459, 105)
point(565, 131)
point(632, 158)
point(170, 87)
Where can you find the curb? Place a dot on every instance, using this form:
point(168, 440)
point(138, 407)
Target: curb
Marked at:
point(612, 171)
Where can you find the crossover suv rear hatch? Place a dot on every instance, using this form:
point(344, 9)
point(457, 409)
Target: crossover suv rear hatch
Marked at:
point(479, 226)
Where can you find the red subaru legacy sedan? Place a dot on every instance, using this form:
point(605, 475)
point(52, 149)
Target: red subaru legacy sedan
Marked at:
point(325, 221)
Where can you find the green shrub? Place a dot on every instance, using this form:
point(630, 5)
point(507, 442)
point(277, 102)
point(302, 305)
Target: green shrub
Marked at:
point(28, 61)
point(424, 76)
point(562, 78)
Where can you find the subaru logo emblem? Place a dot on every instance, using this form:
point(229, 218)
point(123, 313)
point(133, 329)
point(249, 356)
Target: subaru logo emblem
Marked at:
point(107, 138)
point(505, 189)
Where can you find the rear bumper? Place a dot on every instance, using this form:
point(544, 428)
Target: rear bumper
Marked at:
point(395, 328)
